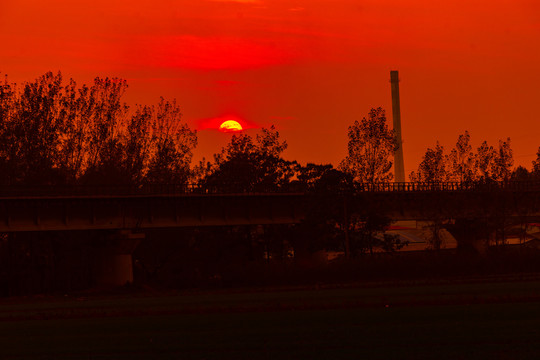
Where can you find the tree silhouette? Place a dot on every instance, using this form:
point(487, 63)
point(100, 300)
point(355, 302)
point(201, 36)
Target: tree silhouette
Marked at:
point(494, 164)
point(536, 165)
point(51, 134)
point(502, 166)
point(248, 164)
point(520, 174)
point(463, 164)
point(367, 233)
point(171, 145)
point(308, 176)
point(485, 159)
point(326, 225)
point(461, 159)
point(105, 142)
point(433, 167)
point(32, 122)
point(371, 145)
point(6, 110)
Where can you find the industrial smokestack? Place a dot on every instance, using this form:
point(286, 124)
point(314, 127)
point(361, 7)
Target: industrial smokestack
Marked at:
point(399, 168)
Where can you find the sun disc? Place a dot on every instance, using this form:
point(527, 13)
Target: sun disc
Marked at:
point(230, 126)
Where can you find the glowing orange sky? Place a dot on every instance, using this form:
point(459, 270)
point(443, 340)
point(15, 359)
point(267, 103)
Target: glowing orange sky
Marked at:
point(311, 67)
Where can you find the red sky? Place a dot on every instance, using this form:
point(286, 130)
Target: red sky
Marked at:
point(311, 67)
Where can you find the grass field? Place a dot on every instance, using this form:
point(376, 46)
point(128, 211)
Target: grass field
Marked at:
point(473, 319)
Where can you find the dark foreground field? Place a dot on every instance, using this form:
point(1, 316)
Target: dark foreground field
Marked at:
point(473, 318)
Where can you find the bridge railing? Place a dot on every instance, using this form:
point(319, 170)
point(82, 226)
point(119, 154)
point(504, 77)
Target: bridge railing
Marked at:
point(182, 189)
point(145, 190)
point(448, 186)
point(412, 186)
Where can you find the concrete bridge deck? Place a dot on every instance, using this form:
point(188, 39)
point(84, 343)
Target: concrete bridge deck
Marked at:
point(45, 213)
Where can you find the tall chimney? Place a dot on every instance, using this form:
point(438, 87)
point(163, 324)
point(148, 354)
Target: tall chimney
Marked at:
point(399, 168)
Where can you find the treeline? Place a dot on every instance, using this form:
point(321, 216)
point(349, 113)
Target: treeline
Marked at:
point(56, 133)
point(463, 163)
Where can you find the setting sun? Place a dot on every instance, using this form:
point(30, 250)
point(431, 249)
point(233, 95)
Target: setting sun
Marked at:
point(230, 126)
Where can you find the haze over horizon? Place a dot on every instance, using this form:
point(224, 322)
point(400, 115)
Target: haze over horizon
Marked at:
point(309, 67)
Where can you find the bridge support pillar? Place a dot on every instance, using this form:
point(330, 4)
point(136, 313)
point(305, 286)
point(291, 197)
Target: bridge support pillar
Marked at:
point(472, 235)
point(114, 263)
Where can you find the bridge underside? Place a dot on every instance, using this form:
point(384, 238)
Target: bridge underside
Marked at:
point(128, 214)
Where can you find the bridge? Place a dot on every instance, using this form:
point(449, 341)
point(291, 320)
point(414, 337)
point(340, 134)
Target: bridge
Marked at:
point(162, 206)
point(127, 212)
point(138, 211)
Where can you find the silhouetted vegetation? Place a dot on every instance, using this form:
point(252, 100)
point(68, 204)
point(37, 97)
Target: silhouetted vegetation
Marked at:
point(55, 133)
point(249, 165)
point(462, 164)
point(371, 144)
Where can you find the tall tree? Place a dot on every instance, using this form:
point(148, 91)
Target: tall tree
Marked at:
point(172, 145)
point(536, 165)
point(73, 152)
point(462, 159)
point(105, 147)
point(503, 162)
point(7, 96)
point(484, 160)
point(31, 128)
point(433, 166)
point(370, 148)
